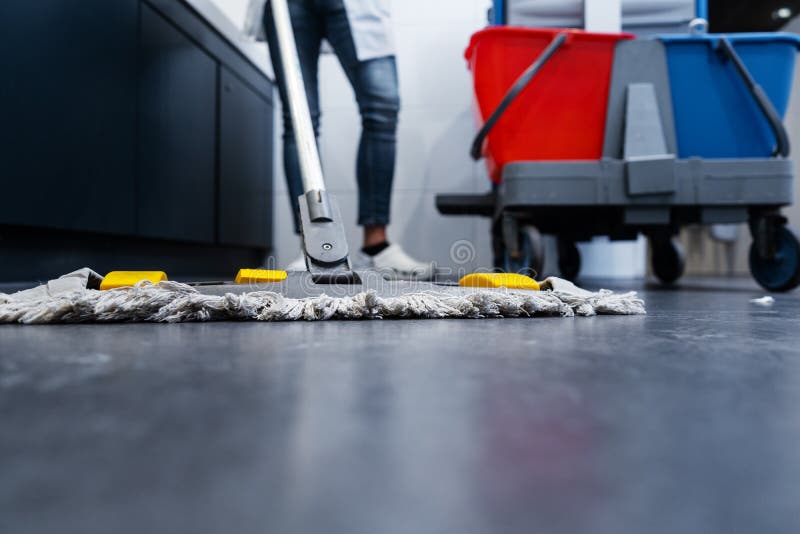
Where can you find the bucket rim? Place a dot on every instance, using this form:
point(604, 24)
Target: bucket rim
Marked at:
point(572, 33)
point(756, 37)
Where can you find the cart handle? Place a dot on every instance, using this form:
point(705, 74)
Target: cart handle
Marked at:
point(725, 48)
point(514, 92)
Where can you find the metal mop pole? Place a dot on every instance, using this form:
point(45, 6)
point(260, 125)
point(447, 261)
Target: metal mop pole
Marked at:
point(324, 242)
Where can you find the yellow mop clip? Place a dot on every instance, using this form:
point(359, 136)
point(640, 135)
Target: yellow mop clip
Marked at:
point(116, 279)
point(495, 280)
point(259, 276)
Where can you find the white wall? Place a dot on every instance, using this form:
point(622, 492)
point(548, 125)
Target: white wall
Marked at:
point(233, 9)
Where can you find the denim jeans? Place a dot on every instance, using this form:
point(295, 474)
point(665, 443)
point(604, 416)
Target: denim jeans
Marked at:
point(375, 85)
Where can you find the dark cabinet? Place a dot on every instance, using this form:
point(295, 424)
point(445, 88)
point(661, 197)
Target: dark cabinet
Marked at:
point(177, 134)
point(68, 108)
point(245, 166)
point(133, 134)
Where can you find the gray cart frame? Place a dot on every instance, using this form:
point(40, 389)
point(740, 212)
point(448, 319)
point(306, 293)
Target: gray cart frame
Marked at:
point(639, 186)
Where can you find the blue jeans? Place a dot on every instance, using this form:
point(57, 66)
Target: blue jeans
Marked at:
point(376, 90)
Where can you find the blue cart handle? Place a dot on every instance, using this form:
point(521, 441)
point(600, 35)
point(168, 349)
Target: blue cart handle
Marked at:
point(513, 93)
point(725, 48)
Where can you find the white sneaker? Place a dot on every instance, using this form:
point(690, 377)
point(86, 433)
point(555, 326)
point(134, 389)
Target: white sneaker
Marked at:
point(393, 262)
point(298, 264)
point(362, 262)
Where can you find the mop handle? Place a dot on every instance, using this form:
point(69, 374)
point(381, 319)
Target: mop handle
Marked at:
point(310, 166)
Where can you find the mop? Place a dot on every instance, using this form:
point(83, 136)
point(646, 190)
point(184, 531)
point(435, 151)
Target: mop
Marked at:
point(329, 289)
point(76, 298)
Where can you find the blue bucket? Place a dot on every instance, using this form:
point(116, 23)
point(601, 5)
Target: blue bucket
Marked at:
point(716, 115)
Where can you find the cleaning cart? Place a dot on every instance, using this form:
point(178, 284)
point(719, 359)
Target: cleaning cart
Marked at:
point(589, 134)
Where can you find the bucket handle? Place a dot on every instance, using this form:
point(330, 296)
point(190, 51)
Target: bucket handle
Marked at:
point(725, 48)
point(515, 90)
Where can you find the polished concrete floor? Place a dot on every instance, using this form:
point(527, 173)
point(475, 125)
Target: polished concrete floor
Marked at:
point(684, 421)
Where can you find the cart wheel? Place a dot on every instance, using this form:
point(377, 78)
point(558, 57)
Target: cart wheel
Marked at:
point(498, 249)
point(668, 259)
point(530, 260)
point(782, 271)
point(569, 259)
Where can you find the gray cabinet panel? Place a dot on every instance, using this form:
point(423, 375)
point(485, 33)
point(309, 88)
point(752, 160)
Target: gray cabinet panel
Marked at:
point(68, 108)
point(177, 134)
point(245, 186)
point(192, 24)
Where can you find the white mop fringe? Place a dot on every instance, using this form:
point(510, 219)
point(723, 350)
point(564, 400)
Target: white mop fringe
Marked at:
point(174, 302)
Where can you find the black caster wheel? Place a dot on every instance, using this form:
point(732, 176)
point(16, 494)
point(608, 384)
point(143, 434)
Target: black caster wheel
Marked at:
point(529, 259)
point(667, 259)
point(498, 248)
point(779, 268)
point(569, 259)
point(530, 253)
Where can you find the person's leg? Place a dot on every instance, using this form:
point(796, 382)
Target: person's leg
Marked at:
point(379, 104)
point(376, 89)
point(375, 85)
point(308, 32)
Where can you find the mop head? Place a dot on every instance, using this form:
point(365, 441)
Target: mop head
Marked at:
point(71, 299)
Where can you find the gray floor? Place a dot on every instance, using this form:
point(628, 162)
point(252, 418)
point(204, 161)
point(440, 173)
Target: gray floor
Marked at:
point(683, 421)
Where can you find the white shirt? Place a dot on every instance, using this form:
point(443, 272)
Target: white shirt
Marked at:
point(370, 23)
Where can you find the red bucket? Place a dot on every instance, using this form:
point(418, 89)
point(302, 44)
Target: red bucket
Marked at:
point(561, 114)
